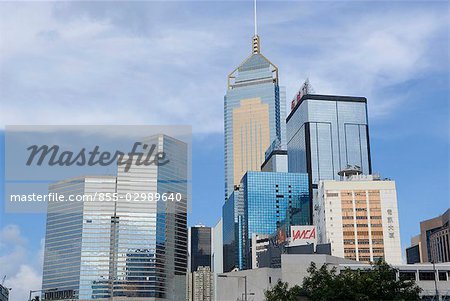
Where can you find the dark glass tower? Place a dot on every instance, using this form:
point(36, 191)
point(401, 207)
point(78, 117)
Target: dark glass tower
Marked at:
point(200, 247)
point(325, 134)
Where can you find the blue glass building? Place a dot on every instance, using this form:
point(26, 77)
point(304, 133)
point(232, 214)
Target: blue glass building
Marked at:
point(254, 110)
point(327, 133)
point(264, 203)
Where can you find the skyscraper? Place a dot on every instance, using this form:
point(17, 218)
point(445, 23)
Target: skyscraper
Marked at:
point(265, 203)
point(254, 108)
point(78, 240)
point(325, 134)
point(200, 247)
point(129, 248)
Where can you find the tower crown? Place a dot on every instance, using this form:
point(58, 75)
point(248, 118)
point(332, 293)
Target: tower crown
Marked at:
point(256, 46)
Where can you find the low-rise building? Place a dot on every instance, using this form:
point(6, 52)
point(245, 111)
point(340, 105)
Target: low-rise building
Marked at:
point(433, 279)
point(413, 254)
point(234, 285)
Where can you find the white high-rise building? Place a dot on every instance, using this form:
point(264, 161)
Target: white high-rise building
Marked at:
point(359, 217)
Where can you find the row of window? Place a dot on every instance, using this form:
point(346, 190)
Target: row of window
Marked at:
point(363, 241)
point(425, 275)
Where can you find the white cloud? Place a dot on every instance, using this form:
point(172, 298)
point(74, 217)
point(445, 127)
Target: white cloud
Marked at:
point(10, 234)
point(369, 52)
point(153, 63)
point(26, 278)
point(22, 267)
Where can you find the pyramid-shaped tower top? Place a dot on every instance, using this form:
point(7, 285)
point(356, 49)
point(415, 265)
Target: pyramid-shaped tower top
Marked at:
point(263, 69)
point(255, 68)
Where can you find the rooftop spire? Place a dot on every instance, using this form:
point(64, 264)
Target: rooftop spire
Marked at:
point(255, 44)
point(254, 13)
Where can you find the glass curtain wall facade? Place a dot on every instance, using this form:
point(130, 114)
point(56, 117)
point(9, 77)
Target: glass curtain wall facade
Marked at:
point(327, 133)
point(232, 231)
point(265, 203)
point(272, 201)
point(123, 249)
point(200, 247)
point(254, 106)
point(150, 257)
point(78, 241)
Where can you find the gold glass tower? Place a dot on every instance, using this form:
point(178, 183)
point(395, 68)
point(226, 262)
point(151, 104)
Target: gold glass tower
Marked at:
point(254, 110)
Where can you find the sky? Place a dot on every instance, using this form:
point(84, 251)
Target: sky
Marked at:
point(167, 63)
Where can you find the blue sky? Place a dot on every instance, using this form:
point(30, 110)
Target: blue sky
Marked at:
point(166, 63)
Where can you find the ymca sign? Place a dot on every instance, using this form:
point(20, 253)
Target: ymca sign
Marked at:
point(303, 235)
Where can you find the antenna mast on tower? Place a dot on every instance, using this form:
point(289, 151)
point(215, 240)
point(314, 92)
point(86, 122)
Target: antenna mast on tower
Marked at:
point(255, 44)
point(254, 13)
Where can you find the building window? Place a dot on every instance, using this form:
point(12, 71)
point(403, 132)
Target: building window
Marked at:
point(442, 276)
point(425, 275)
point(407, 275)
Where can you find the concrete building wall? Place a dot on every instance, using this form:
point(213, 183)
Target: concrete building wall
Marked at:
point(276, 162)
point(258, 280)
point(294, 269)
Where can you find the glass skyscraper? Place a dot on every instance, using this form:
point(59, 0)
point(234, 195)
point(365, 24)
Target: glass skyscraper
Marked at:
point(232, 231)
point(78, 241)
point(327, 133)
point(200, 247)
point(254, 108)
point(127, 249)
point(265, 203)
